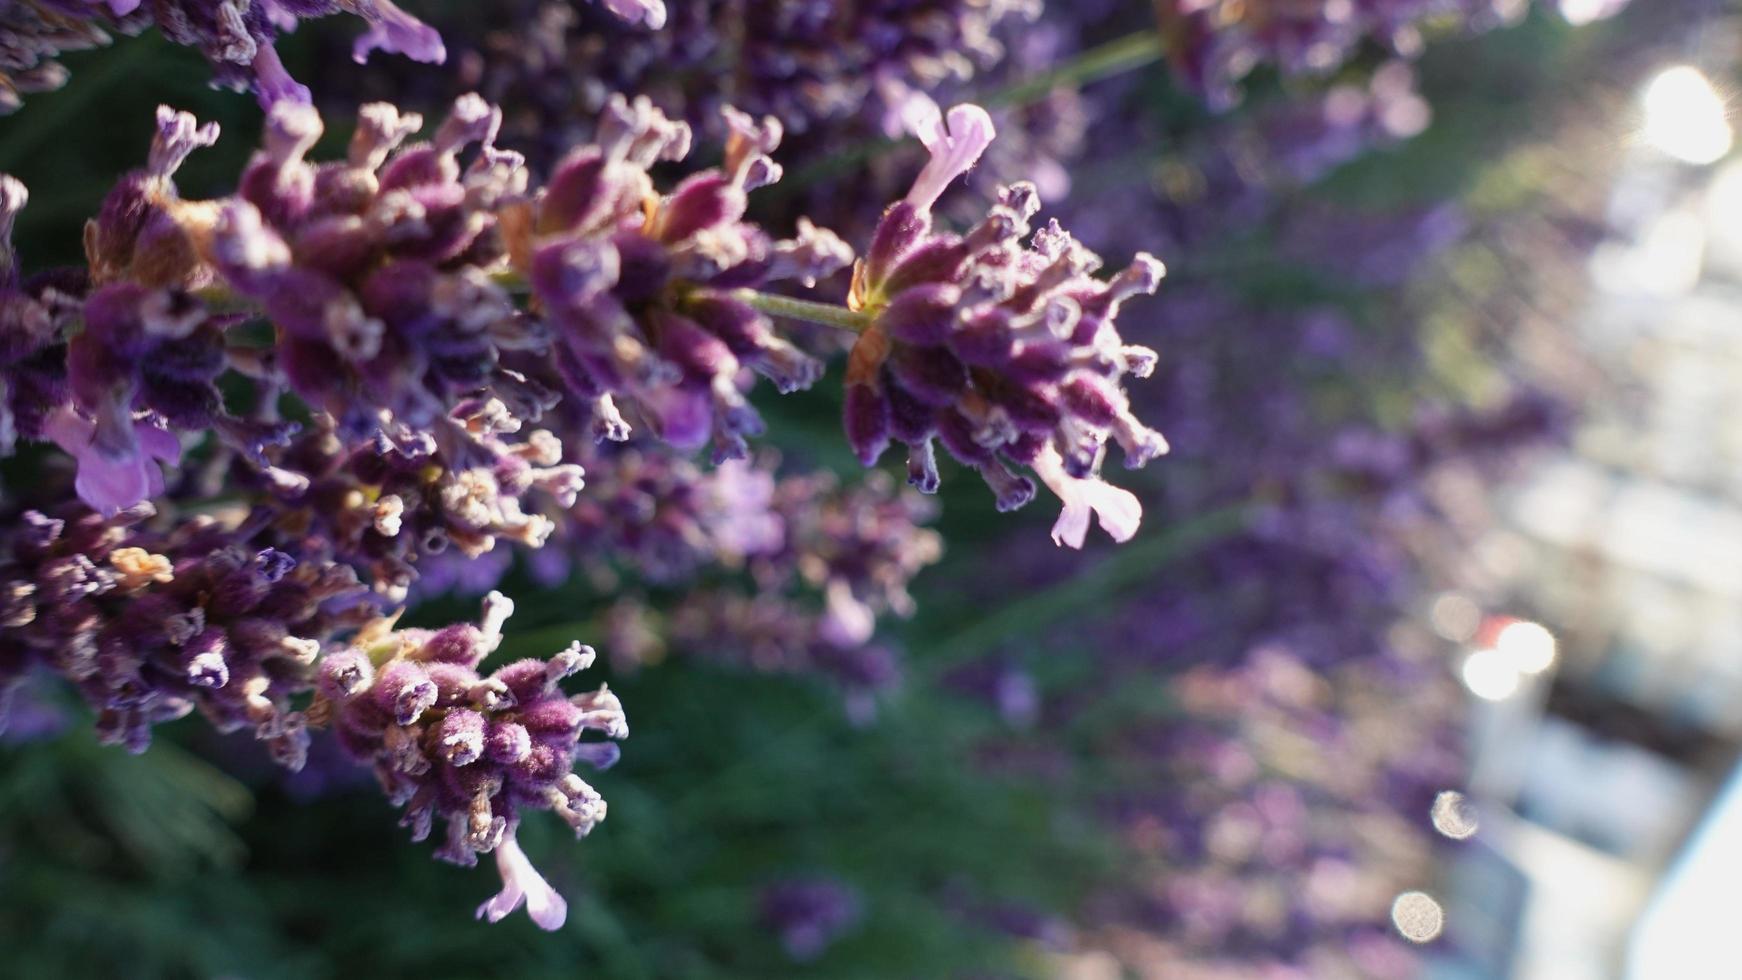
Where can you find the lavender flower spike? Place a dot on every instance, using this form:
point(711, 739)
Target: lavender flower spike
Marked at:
point(1007, 354)
point(648, 12)
point(521, 882)
point(954, 149)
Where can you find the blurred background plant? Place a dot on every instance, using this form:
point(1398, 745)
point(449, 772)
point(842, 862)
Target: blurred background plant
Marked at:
point(1221, 750)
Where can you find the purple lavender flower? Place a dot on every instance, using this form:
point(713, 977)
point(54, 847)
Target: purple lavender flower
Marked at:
point(152, 626)
point(31, 35)
point(1003, 353)
point(788, 575)
point(35, 314)
point(380, 275)
point(236, 38)
point(638, 288)
point(667, 518)
point(473, 485)
point(476, 751)
point(814, 66)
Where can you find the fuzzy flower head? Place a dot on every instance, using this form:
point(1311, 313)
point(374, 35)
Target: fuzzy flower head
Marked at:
point(238, 39)
point(150, 627)
point(1006, 353)
point(475, 750)
point(638, 286)
point(369, 268)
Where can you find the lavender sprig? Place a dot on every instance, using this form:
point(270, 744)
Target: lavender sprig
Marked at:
point(237, 37)
point(1003, 353)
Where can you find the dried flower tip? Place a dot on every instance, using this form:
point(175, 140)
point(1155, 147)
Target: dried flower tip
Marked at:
point(381, 127)
point(139, 567)
point(178, 134)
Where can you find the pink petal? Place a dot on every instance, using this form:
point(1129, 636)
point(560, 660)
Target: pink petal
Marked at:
point(686, 417)
point(111, 485)
point(1118, 509)
point(522, 882)
point(501, 903)
point(272, 81)
point(398, 32)
point(955, 144)
point(648, 12)
point(159, 443)
point(847, 622)
point(1072, 527)
point(106, 484)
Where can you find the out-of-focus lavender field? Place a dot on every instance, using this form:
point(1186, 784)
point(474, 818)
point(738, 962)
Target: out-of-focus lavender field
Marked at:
point(1418, 662)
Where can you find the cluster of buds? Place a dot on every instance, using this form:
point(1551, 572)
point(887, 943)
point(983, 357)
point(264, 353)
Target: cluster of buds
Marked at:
point(237, 37)
point(825, 68)
point(857, 545)
point(668, 518)
point(150, 626)
point(447, 741)
point(637, 288)
point(381, 276)
point(385, 507)
point(31, 35)
point(369, 268)
point(1007, 354)
point(833, 560)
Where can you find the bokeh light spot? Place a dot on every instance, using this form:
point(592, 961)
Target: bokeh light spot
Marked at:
point(1454, 616)
point(1685, 116)
point(1490, 675)
point(1418, 917)
point(1530, 646)
point(1454, 815)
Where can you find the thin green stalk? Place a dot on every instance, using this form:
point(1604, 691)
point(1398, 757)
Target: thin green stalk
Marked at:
point(1080, 595)
point(825, 314)
point(1116, 57)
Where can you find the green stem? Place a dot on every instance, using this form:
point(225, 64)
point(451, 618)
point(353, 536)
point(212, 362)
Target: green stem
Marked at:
point(1113, 58)
point(826, 314)
point(1097, 586)
point(1116, 56)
